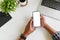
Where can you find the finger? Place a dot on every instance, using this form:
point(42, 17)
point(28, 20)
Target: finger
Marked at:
point(31, 23)
point(30, 19)
point(42, 15)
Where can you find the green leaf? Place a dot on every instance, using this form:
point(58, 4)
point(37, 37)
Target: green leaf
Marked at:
point(8, 5)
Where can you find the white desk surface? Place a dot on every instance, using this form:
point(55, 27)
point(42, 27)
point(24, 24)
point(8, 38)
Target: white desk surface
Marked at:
point(12, 29)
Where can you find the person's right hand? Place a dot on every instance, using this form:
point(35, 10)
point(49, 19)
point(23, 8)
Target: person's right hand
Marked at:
point(42, 20)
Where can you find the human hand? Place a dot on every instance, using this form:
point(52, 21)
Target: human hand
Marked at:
point(42, 20)
point(29, 28)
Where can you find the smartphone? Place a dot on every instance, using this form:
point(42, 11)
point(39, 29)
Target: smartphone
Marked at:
point(36, 18)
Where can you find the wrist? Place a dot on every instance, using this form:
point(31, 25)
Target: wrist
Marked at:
point(22, 37)
point(25, 34)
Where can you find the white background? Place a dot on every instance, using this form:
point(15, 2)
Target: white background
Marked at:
point(12, 29)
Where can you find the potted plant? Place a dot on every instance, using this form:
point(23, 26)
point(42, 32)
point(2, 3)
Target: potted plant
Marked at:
point(6, 6)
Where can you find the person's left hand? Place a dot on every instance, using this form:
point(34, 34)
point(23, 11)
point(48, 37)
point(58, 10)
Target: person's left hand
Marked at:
point(29, 28)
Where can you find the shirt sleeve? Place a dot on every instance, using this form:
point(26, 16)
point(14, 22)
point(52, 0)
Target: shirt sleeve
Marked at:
point(56, 36)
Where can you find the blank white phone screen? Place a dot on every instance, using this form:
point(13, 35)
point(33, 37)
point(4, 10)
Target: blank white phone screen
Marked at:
point(36, 19)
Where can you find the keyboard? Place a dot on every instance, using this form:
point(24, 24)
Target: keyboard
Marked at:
point(49, 11)
point(55, 4)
